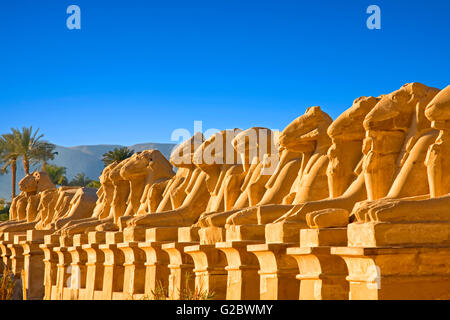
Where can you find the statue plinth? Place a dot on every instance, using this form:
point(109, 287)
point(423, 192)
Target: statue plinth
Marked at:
point(277, 271)
point(380, 234)
point(209, 270)
point(34, 265)
point(114, 237)
point(283, 232)
point(134, 268)
point(76, 287)
point(50, 265)
point(242, 270)
point(211, 235)
point(157, 260)
point(181, 267)
point(323, 237)
point(397, 273)
point(245, 232)
point(131, 234)
point(161, 234)
point(322, 275)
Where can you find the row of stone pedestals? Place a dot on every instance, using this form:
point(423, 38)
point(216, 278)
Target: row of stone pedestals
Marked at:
point(277, 261)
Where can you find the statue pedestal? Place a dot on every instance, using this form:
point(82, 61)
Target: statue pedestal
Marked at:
point(95, 265)
point(397, 273)
point(134, 269)
point(78, 268)
point(113, 270)
point(211, 235)
point(284, 232)
point(210, 273)
point(50, 265)
point(157, 260)
point(382, 234)
point(398, 260)
point(322, 275)
point(242, 266)
point(17, 258)
point(277, 271)
point(34, 264)
point(242, 270)
point(8, 238)
point(63, 277)
point(181, 278)
point(245, 232)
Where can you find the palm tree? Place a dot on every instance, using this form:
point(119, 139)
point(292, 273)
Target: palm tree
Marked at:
point(56, 174)
point(28, 144)
point(118, 154)
point(43, 152)
point(80, 180)
point(8, 157)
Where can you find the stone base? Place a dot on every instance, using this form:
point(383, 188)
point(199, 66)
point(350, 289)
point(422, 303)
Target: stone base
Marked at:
point(63, 276)
point(134, 269)
point(50, 262)
point(161, 234)
point(277, 271)
point(210, 273)
point(283, 232)
point(95, 265)
point(78, 268)
point(212, 235)
point(34, 265)
point(181, 279)
point(323, 237)
point(37, 235)
point(156, 269)
point(188, 234)
point(249, 232)
point(131, 234)
point(5, 253)
point(16, 257)
point(97, 237)
point(397, 273)
point(113, 271)
point(322, 275)
point(380, 234)
point(242, 270)
point(9, 236)
point(114, 237)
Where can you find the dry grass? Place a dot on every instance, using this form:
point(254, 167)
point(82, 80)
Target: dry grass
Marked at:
point(162, 293)
point(7, 284)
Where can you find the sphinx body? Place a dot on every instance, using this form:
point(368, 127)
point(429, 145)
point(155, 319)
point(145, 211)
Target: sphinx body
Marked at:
point(344, 172)
point(397, 138)
point(207, 192)
point(24, 210)
point(306, 136)
point(433, 205)
point(139, 171)
point(169, 194)
point(254, 147)
point(103, 207)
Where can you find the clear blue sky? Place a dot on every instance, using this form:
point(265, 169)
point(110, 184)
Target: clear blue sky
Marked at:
point(138, 69)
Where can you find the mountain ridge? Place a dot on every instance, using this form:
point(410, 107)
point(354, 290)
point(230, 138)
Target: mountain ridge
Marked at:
point(80, 159)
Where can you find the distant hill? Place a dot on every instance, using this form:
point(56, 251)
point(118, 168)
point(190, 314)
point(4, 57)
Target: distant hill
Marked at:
point(81, 159)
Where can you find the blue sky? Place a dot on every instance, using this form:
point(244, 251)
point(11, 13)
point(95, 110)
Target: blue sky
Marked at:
point(138, 69)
